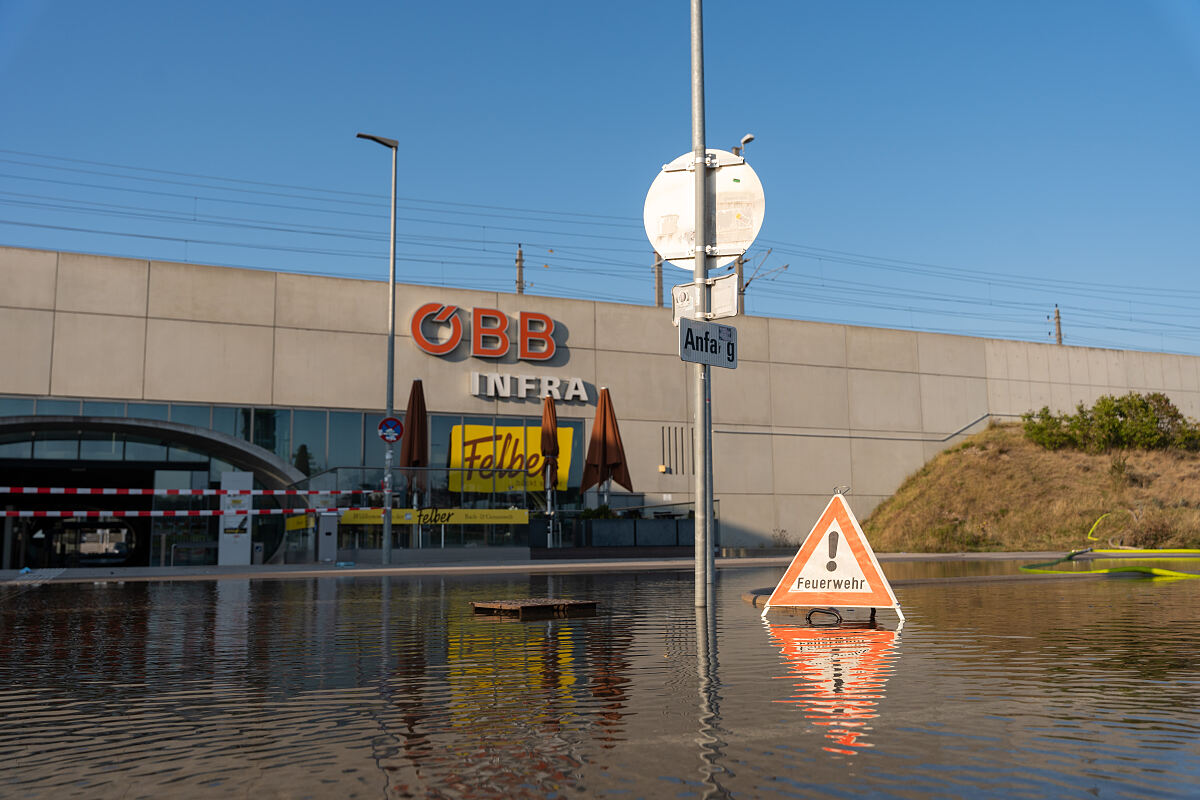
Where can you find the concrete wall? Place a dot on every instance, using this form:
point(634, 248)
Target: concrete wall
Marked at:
point(811, 405)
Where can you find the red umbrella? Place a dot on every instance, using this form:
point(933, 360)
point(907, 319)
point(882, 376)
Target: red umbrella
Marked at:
point(606, 454)
point(550, 441)
point(414, 444)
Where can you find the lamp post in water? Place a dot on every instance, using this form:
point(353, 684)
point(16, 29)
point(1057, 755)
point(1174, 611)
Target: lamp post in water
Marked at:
point(393, 145)
point(702, 433)
point(725, 222)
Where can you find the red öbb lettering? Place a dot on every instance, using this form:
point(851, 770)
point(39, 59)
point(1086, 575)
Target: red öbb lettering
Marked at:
point(489, 334)
point(489, 325)
point(441, 314)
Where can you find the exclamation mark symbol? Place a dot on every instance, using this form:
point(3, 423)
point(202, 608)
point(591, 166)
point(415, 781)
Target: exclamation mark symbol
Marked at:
point(833, 540)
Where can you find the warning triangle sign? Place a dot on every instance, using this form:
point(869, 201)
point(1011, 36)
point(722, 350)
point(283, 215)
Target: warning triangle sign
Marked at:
point(835, 567)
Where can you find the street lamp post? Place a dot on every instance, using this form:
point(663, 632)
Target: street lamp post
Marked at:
point(700, 372)
point(393, 145)
point(740, 149)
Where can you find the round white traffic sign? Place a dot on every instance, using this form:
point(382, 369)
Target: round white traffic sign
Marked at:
point(391, 429)
point(736, 205)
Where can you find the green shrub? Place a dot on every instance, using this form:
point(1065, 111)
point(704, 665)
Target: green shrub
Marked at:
point(1140, 421)
point(1046, 429)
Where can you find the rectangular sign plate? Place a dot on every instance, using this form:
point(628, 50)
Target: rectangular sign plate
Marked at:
point(722, 298)
point(708, 343)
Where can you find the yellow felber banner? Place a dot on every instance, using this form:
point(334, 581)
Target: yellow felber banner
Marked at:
point(439, 516)
point(504, 458)
point(299, 523)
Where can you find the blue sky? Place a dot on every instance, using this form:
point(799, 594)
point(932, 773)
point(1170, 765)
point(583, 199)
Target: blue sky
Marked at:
point(936, 165)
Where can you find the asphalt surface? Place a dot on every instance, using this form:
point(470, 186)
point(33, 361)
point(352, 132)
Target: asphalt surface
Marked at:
point(289, 571)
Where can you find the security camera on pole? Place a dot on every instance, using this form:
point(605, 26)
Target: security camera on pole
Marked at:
point(724, 198)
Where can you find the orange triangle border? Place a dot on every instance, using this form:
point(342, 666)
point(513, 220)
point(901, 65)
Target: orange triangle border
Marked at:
point(878, 593)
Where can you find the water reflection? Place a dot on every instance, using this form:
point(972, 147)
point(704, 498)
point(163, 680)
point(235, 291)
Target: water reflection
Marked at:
point(366, 688)
point(843, 672)
point(708, 683)
point(476, 707)
point(489, 707)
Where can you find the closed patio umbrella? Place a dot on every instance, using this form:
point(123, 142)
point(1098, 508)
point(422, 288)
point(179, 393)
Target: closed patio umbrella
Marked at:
point(550, 459)
point(550, 441)
point(606, 455)
point(414, 444)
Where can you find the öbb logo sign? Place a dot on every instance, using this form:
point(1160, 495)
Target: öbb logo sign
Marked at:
point(489, 332)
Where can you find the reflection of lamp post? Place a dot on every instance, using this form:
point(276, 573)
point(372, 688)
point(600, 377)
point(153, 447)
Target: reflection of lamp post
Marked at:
point(391, 144)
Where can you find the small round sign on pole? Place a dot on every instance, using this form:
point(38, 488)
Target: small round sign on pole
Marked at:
point(391, 429)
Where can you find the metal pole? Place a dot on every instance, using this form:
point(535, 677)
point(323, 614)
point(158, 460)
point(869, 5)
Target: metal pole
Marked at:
point(391, 368)
point(658, 287)
point(8, 532)
point(710, 517)
point(700, 372)
point(520, 270)
point(394, 146)
point(739, 267)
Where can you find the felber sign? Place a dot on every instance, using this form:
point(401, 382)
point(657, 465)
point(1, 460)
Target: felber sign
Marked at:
point(489, 335)
point(504, 458)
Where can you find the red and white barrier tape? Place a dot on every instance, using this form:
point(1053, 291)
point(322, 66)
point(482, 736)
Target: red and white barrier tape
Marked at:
point(199, 512)
point(175, 492)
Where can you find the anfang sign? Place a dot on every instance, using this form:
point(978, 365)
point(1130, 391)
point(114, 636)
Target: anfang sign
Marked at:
point(708, 343)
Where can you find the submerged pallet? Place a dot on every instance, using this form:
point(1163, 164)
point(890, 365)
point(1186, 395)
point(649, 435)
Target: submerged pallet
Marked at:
point(535, 607)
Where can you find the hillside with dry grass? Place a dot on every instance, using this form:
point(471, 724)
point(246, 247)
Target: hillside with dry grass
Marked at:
point(999, 491)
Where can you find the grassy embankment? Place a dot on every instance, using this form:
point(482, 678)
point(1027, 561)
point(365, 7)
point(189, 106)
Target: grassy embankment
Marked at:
point(1000, 491)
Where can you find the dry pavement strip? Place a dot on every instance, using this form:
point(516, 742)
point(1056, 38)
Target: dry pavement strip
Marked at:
point(290, 571)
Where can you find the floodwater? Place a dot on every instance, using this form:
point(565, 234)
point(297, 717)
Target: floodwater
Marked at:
point(371, 687)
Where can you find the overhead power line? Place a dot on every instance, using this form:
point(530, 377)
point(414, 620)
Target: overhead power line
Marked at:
point(585, 254)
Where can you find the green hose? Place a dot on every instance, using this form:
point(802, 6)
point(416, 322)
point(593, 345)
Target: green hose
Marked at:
point(1132, 572)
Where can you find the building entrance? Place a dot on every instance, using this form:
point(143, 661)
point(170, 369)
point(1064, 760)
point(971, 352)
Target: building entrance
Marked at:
point(44, 542)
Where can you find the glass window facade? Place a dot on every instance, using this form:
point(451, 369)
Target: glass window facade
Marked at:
point(50, 447)
point(273, 431)
point(492, 452)
point(197, 416)
point(142, 449)
point(156, 411)
point(477, 461)
point(308, 441)
point(103, 408)
point(225, 420)
point(18, 447)
point(96, 446)
point(16, 407)
point(374, 447)
point(57, 408)
point(345, 439)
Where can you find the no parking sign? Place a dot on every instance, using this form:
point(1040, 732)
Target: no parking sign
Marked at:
point(391, 429)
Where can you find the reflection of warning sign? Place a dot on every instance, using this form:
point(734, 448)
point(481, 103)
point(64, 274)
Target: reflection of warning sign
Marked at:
point(843, 674)
point(835, 567)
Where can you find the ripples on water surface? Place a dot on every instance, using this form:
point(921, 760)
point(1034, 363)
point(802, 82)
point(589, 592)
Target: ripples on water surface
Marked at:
point(363, 687)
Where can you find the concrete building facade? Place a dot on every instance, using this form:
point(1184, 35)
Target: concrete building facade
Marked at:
point(811, 405)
